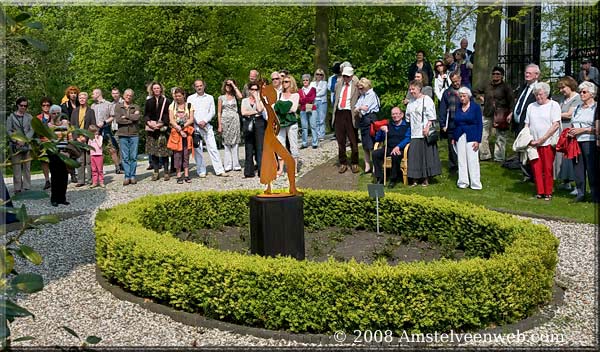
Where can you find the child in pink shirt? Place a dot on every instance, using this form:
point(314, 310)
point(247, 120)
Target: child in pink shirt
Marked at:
point(97, 157)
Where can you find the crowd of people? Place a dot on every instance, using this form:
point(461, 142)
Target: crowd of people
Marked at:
point(440, 101)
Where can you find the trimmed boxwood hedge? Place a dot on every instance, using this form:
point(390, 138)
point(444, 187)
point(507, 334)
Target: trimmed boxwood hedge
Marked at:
point(508, 270)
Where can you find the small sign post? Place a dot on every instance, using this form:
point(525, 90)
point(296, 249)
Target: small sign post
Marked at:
point(376, 191)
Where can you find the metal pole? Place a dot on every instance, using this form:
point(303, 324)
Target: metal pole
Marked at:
point(377, 209)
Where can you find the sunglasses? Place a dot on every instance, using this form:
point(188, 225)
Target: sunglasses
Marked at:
point(286, 81)
point(253, 89)
point(439, 66)
point(584, 91)
point(275, 78)
point(320, 74)
point(45, 104)
point(23, 105)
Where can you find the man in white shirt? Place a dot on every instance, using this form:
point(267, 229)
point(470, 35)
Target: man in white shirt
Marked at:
point(204, 111)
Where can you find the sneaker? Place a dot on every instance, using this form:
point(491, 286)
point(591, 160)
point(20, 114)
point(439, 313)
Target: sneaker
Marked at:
point(222, 174)
point(47, 185)
point(237, 169)
point(228, 170)
point(102, 185)
point(202, 175)
point(573, 192)
point(94, 185)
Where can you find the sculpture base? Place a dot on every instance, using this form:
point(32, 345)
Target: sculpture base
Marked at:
point(277, 226)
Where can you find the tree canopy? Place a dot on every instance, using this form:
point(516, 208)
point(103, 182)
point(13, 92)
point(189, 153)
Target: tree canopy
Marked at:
point(106, 46)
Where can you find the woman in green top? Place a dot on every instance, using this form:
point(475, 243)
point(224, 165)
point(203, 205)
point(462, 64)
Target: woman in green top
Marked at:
point(289, 124)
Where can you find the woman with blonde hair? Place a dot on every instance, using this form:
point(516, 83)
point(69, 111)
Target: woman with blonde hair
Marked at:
point(320, 85)
point(181, 119)
point(288, 121)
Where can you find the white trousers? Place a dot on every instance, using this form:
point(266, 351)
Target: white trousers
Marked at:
point(468, 164)
point(211, 146)
point(291, 132)
point(231, 161)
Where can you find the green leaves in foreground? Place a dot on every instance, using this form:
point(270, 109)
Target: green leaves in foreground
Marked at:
point(90, 340)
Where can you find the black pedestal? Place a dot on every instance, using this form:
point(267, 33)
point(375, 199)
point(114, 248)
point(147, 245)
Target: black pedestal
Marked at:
point(277, 226)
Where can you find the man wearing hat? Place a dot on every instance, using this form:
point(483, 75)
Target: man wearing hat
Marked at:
point(345, 119)
point(588, 72)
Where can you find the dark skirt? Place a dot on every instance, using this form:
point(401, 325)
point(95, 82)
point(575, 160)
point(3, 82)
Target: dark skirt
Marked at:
point(423, 159)
point(153, 147)
point(365, 131)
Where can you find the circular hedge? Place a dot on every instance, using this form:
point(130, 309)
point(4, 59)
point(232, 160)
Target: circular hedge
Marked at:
point(507, 271)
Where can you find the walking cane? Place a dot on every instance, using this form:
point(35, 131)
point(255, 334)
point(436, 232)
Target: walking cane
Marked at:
point(385, 158)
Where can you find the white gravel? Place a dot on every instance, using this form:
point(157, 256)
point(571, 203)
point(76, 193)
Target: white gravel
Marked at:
point(73, 298)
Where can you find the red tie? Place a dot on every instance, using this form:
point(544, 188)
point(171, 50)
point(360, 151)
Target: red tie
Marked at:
point(344, 95)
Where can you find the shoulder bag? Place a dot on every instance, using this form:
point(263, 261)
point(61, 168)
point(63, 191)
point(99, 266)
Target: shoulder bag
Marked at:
point(434, 130)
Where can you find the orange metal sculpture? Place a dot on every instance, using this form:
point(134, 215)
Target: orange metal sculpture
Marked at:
point(272, 146)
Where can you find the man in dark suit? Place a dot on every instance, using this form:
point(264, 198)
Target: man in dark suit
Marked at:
point(345, 119)
point(524, 98)
point(82, 117)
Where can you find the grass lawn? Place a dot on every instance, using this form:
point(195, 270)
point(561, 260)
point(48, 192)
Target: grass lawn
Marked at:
point(502, 190)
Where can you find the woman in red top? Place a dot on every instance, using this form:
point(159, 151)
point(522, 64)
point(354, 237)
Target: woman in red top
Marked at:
point(44, 116)
point(308, 112)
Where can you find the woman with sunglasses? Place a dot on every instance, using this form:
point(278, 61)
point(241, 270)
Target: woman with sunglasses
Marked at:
point(442, 79)
point(320, 101)
point(20, 122)
point(289, 124)
point(254, 129)
point(44, 116)
point(582, 128)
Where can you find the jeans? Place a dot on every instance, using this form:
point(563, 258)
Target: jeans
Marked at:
point(306, 118)
point(129, 151)
point(321, 116)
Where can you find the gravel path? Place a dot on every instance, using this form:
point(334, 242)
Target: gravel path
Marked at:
point(73, 298)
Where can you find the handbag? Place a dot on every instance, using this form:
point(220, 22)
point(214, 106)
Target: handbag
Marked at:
point(250, 125)
point(309, 107)
point(197, 139)
point(500, 118)
point(434, 129)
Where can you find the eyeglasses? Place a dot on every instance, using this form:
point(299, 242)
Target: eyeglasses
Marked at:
point(23, 105)
point(320, 74)
point(286, 81)
point(584, 91)
point(275, 78)
point(306, 80)
point(45, 104)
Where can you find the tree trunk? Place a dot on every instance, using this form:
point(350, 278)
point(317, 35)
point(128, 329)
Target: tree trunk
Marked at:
point(322, 38)
point(449, 31)
point(487, 38)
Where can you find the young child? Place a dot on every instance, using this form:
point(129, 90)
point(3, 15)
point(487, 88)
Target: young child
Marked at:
point(97, 159)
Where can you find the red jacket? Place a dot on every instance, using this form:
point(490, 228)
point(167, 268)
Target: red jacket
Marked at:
point(308, 98)
point(568, 145)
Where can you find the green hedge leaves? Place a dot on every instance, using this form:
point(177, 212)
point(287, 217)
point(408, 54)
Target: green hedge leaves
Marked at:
point(507, 272)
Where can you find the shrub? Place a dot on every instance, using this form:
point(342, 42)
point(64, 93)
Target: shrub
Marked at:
point(508, 270)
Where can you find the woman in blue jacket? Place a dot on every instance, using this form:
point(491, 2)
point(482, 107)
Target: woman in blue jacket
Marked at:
point(466, 138)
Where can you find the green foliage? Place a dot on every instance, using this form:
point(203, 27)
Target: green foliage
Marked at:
point(508, 272)
point(176, 45)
